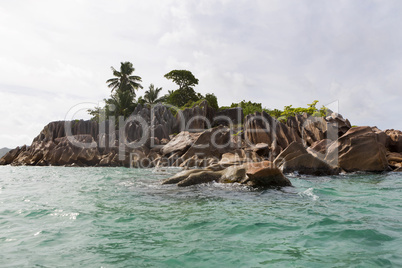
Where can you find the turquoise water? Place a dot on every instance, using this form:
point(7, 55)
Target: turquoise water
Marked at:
point(117, 217)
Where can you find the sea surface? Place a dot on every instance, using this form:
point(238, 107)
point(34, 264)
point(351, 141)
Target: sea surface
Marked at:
point(119, 217)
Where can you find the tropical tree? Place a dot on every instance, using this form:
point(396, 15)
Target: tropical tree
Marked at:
point(183, 78)
point(121, 103)
point(122, 99)
point(181, 97)
point(212, 100)
point(124, 80)
point(151, 96)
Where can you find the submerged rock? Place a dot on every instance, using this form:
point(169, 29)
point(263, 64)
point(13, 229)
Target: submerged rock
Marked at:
point(204, 176)
point(261, 174)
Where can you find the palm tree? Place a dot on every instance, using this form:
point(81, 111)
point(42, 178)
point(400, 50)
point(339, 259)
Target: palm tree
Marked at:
point(151, 95)
point(123, 80)
point(122, 103)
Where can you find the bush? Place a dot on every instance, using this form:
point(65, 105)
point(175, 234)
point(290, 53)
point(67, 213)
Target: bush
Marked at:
point(248, 107)
point(181, 97)
point(212, 100)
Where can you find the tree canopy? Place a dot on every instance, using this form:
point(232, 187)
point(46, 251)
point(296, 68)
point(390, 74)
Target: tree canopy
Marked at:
point(181, 97)
point(183, 78)
point(122, 101)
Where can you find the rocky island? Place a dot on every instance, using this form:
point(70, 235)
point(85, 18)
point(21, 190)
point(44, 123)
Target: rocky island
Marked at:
point(243, 143)
point(253, 150)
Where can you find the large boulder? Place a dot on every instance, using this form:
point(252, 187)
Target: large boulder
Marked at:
point(178, 177)
point(320, 147)
point(239, 156)
point(233, 174)
point(204, 176)
point(211, 143)
point(358, 150)
point(59, 129)
point(394, 159)
point(10, 156)
point(338, 124)
point(394, 142)
point(67, 152)
point(180, 143)
point(78, 150)
point(295, 158)
point(193, 177)
point(262, 128)
point(312, 129)
point(265, 175)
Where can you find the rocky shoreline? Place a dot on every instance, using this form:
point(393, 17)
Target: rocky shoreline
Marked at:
point(224, 145)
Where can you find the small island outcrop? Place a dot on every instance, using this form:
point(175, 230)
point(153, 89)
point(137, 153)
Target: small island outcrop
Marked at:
point(302, 144)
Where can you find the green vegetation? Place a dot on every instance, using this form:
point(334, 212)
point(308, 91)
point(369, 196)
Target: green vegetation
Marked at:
point(310, 110)
point(124, 80)
point(212, 100)
point(288, 111)
point(122, 99)
point(248, 107)
point(182, 96)
point(185, 96)
point(151, 96)
point(183, 78)
point(124, 84)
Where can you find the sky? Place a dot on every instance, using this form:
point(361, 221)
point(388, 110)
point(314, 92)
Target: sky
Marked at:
point(56, 55)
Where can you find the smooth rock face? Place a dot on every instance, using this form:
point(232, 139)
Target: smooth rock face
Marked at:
point(180, 176)
point(262, 128)
point(211, 143)
point(358, 150)
point(295, 158)
point(204, 176)
point(229, 116)
point(320, 146)
point(338, 124)
point(233, 174)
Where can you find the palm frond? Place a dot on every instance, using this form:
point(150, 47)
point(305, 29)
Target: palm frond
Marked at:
point(112, 80)
point(135, 78)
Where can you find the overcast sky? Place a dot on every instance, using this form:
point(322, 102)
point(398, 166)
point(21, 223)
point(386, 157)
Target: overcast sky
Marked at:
point(56, 54)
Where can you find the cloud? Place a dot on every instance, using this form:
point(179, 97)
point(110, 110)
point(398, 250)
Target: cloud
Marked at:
point(55, 54)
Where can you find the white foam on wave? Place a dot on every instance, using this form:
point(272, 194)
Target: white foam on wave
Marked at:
point(309, 193)
point(60, 213)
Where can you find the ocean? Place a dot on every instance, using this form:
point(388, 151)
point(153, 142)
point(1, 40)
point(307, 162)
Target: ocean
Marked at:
point(119, 217)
